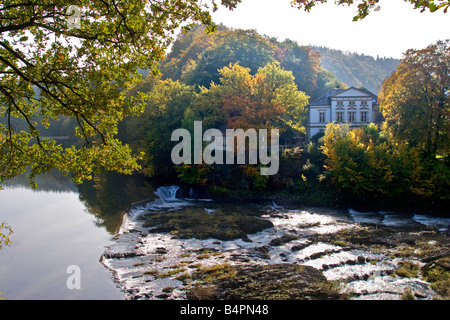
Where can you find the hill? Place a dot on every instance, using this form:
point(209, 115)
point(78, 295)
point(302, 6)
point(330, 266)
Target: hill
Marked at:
point(357, 70)
point(196, 57)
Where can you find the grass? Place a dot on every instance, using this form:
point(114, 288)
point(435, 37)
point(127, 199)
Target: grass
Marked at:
point(150, 272)
point(217, 272)
point(167, 289)
point(138, 264)
point(439, 278)
point(171, 273)
point(408, 295)
point(407, 270)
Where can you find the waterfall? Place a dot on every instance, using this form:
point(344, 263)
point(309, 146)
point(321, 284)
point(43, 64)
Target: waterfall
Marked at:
point(192, 194)
point(168, 198)
point(168, 193)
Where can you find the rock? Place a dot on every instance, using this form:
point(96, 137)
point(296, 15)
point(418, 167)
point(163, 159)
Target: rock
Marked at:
point(420, 294)
point(261, 252)
point(277, 281)
point(299, 247)
point(361, 260)
point(195, 223)
point(161, 250)
point(283, 240)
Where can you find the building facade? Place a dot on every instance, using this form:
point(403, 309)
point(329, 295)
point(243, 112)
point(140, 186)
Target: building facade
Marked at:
point(358, 107)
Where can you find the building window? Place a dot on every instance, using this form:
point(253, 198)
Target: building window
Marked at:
point(352, 117)
point(322, 117)
point(364, 103)
point(340, 103)
point(339, 116)
point(364, 117)
point(352, 103)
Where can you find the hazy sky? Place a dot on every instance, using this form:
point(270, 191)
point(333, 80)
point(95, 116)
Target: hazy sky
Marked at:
point(389, 32)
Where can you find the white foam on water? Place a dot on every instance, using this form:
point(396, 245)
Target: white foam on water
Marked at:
point(365, 217)
point(167, 200)
point(439, 222)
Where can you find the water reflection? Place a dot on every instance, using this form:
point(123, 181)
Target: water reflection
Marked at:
point(107, 197)
point(61, 224)
point(110, 194)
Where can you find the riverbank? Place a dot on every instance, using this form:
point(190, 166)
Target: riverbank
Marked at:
point(315, 196)
point(296, 253)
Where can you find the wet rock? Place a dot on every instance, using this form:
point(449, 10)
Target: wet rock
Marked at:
point(362, 257)
point(420, 294)
point(192, 222)
point(299, 247)
point(361, 260)
point(121, 255)
point(262, 252)
point(278, 281)
point(283, 240)
point(161, 250)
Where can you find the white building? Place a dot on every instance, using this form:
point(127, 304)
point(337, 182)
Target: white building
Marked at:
point(358, 107)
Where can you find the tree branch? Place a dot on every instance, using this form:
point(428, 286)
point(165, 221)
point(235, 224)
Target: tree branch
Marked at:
point(16, 54)
point(44, 89)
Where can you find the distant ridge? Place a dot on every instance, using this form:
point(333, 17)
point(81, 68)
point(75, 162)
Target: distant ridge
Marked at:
point(357, 70)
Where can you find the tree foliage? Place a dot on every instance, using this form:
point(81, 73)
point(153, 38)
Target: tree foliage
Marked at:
point(5, 239)
point(196, 57)
point(365, 6)
point(150, 133)
point(415, 99)
point(366, 165)
point(267, 99)
point(49, 69)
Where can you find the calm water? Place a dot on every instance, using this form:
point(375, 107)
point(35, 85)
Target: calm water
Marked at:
point(57, 226)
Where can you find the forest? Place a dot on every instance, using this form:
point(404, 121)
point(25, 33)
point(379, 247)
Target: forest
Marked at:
point(240, 79)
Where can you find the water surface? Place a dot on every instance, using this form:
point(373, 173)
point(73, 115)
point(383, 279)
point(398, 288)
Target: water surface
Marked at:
point(57, 226)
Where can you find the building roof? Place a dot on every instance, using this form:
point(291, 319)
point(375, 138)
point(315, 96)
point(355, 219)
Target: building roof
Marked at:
point(324, 100)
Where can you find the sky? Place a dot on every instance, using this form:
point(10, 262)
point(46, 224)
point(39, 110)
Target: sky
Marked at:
point(389, 32)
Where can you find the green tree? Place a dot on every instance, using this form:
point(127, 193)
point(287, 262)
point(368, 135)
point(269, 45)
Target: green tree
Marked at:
point(245, 47)
point(54, 64)
point(196, 57)
point(268, 99)
point(415, 99)
point(306, 67)
point(167, 104)
point(366, 165)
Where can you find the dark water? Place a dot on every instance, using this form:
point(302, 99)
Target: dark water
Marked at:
point(57, 226)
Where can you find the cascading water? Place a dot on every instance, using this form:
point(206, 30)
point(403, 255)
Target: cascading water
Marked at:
point(168, 193)
point(168, 198)
point(327, 241)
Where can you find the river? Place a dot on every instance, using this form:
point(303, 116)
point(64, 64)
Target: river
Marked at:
point(57, 226)
point(140, 254)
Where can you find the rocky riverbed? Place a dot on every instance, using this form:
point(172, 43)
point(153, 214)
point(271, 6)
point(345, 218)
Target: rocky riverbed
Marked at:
point(175, 248)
